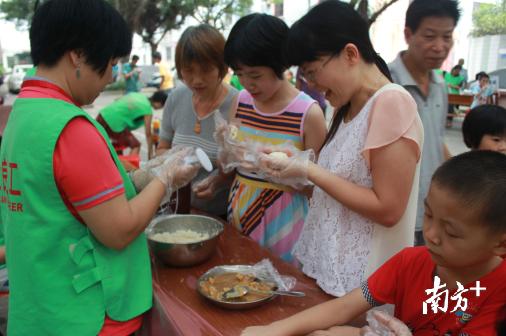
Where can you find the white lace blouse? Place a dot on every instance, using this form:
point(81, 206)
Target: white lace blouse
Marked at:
point(338, 247)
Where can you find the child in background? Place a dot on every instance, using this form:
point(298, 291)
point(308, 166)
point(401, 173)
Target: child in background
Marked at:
point(481, 90)
point(485, 128)
point(465, 231)
point(272, 112)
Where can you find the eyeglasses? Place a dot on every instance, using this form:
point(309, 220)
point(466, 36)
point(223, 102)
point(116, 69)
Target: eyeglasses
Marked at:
point(310, 76)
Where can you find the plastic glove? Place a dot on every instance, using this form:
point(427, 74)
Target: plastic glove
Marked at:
point(232, 153)
point(383, 324)
point(206, 188)
point(176, 171)
point(140, 179)
point(291, 170)
point(160, 159)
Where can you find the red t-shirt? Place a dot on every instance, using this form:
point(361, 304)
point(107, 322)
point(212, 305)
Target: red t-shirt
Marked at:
point(85, 174)
point(402, 281)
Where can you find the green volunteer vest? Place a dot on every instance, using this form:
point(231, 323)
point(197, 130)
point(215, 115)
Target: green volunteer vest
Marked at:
point(127, 112)
point(62, 280)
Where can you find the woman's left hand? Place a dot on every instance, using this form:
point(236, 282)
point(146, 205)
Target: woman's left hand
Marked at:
point(206, 188)
point(292, 170)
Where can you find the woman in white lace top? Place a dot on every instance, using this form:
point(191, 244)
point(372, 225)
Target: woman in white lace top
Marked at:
point(364, 202)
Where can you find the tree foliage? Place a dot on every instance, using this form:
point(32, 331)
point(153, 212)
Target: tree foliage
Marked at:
point(489, 19)
point(150, 19)
point(218, 13)
point(18, 11)
point(367, 12)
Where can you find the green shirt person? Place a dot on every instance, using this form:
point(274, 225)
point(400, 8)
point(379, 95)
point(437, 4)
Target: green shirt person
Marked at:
point(127, 114)
point(234, 82)
point(454, 80)
point(131, 73)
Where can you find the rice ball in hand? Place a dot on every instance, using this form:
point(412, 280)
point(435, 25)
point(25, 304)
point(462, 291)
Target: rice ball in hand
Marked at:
point(278, 155)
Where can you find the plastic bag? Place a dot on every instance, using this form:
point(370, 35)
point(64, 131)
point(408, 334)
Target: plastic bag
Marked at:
point(287, 165)
point(170, 168)
point(249, 155)
point(233, 152)
point(383, 324)
point(265, 269)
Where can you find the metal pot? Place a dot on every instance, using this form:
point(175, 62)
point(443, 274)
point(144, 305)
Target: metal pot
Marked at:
point(184, 254)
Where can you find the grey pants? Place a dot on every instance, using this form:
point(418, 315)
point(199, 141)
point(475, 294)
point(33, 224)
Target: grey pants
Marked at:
point(419, 241)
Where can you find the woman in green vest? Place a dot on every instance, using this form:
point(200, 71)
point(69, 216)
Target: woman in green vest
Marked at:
point(127, 114)
point(72, 222)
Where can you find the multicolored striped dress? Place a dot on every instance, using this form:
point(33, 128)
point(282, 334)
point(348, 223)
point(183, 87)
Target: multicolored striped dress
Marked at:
point(271, 214)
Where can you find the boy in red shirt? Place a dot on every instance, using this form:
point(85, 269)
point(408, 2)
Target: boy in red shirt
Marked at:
point(454, 286)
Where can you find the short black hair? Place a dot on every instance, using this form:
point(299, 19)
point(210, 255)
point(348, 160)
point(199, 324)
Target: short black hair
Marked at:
point(159, 96)
point(156, 55)
point(479, 74)
point(257, 40)
point(325, 30)
point(478, 180)
point(92, 27)
point(135, 58)
point(481, 120)
point(421, 9)
point(483, 75)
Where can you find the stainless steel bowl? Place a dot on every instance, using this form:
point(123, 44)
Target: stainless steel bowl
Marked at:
point(235, 305)
point(184, 254)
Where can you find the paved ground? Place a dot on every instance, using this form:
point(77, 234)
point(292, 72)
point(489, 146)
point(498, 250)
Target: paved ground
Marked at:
point(453, 135)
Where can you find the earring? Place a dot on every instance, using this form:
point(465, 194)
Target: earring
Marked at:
point(78, 72)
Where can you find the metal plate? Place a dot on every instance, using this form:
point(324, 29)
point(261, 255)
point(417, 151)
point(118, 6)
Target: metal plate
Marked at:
point(244, 269)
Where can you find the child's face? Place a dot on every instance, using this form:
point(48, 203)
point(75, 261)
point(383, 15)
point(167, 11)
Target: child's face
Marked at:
point(260, 81)
point(495, 143)
point(454, 232)
point(484, 81)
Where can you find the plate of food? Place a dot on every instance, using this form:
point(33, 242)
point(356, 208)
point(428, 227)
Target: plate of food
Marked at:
point(236, 287)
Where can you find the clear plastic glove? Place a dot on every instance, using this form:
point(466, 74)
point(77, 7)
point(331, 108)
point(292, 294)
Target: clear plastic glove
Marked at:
point(232, 153)
point(383, 324)
point(206, 188)
point(286, 166)
point(177, 169)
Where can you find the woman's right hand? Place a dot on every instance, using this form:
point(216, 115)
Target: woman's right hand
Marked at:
point(395, 326)
point(172, 168)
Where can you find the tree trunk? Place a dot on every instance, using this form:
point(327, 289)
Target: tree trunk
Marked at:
point(362, 9)
point(154, 47)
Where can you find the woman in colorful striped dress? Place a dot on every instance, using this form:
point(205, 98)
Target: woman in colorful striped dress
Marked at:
point(272, 112)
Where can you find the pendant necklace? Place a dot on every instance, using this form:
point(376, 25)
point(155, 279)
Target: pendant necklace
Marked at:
point(197, 128)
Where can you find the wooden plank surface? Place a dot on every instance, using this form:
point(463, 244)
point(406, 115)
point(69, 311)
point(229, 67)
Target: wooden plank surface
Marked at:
point(180, 310)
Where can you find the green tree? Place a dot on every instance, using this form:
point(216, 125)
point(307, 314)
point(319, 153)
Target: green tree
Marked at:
point(18, 11)
point(489, 19)
point(219, 13)
point(152, 19)
point(371, 13)
point(368, 12)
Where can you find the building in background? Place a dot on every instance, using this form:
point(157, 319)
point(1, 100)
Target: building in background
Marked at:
point(387, 34)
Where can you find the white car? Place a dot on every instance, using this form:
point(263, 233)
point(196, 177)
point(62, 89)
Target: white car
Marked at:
point(16, 77)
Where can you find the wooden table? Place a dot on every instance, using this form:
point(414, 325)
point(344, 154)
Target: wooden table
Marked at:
point(179, 309)
point(460, 99)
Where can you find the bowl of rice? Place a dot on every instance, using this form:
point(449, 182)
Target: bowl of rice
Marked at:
point(183, 240)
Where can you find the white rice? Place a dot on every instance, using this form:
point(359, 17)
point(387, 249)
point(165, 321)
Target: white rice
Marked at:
point(180, 237)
